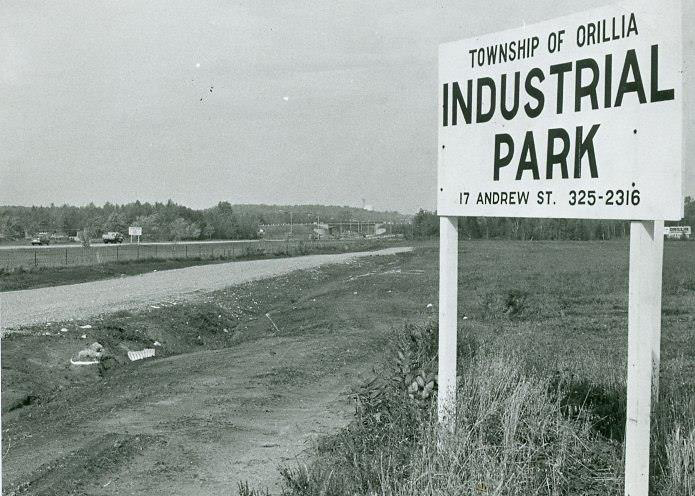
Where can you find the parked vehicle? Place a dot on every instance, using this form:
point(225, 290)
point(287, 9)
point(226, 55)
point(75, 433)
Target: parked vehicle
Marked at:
point(112, 237)
point(41, 238)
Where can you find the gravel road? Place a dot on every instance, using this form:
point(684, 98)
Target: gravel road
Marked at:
point(79, 301)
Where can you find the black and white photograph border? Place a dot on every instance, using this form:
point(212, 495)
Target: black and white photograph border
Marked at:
point(347, 248)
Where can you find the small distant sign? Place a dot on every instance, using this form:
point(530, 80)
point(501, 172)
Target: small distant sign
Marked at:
point(677, 232)
point(135, 231)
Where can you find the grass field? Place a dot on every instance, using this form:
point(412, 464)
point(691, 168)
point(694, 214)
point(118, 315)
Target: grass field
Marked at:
point(542, 364)
point(543, 341)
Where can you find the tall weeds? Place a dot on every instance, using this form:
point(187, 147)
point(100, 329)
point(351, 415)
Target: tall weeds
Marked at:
point(511, 439)
point(519, 432)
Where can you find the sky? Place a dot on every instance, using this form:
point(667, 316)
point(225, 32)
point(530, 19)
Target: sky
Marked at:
point(283, 102)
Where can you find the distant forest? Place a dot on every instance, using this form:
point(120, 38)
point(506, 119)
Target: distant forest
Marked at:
point(426, 225)
point(170, 221)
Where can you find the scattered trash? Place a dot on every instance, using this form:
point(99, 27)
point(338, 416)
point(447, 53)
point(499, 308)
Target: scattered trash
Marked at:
point(86, 326)
point(84, 336)
point(89, 356)
point(225, 330)
point(429, 305)
point(139, 355)
point(465, 318)
point(271, 321)
point(354, 292)
point(64, 329)
point(154, 306)
point(156, 343)
point(83, 362)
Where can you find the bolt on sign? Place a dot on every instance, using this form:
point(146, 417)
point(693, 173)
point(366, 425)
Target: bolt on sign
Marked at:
point(576, 117)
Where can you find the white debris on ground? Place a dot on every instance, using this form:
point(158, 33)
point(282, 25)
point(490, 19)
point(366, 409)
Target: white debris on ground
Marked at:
point(88, 356)
point(139, 355)
point(397, 270)
point(156, 343)
point(86, 326)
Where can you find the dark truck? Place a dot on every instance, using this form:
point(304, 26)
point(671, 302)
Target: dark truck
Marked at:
point(112, 237)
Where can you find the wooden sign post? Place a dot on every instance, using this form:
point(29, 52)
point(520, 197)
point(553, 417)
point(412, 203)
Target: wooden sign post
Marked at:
point(568, 119)
point(643, 348)
point(448, 308)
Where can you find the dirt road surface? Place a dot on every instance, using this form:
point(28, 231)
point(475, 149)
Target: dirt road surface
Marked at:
point(79, 301)
point(199, 421)
point(192, 424)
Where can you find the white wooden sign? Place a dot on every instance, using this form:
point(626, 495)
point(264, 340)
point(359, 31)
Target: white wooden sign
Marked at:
point(576, 117)
point(135, 231)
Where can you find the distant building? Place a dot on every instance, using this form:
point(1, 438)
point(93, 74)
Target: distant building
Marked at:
point(677, 232)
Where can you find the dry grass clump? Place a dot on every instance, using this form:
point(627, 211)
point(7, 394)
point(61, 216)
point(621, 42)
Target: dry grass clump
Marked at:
point(680, 455)
point(511, 438)
point(673, 435)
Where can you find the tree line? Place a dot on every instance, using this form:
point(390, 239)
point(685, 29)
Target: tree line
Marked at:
point(170, 221)
point(426, 224)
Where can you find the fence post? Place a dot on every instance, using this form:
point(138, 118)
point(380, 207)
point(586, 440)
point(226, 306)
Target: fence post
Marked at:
point(155, 251)
point(116, 253)
point(66, 256)
point(35, 262)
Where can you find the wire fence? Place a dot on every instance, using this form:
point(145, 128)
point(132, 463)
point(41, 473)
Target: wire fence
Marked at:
point(98, 254)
